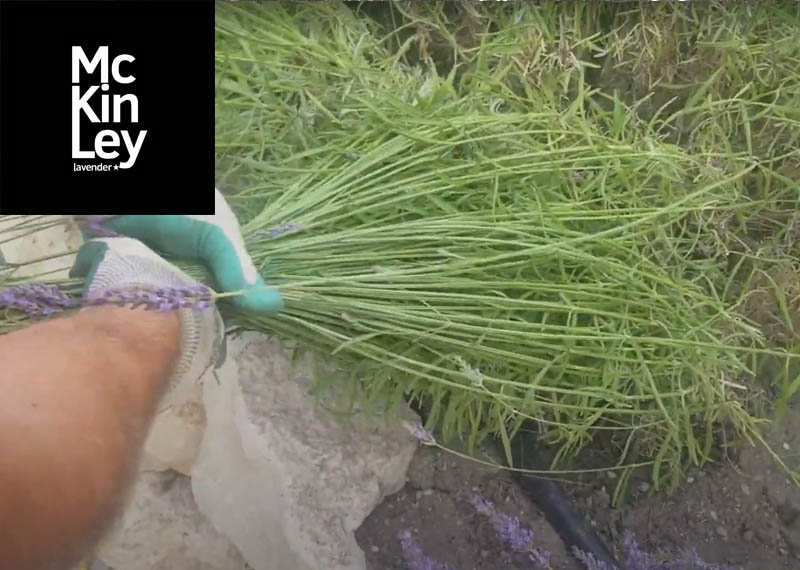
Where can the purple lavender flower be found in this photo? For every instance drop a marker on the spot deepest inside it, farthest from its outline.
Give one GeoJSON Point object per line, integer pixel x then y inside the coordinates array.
{"type": "Point", "coordinates": [94, 225]}
{"type": "Point", "coordinates": [39, 299]}
{"type": "Point", "coordinates": [690, 560]}
{"type": "Point", "coordinates": [36, 299]}
{"type": "Point", "coordinates": [162, 299]}
{"type": "Point", "coordinates": [591, 563]}
{"type": "Point", "coordinates": [638, 559]}
{"type": "Point", "coordinates": [519, 538]}
{"type": "Point", "coordinates": [421, 433]}
{"type": "Point", "coordinates": [415, 558]}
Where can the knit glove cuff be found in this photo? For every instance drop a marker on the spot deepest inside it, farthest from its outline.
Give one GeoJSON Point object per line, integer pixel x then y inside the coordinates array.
{"type": "Point", "coordinates": [124, 271]}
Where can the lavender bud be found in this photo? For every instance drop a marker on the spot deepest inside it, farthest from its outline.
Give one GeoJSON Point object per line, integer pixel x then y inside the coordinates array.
{"type": "Point", "coordinates": [421, 433]}
{"type": "Point", "coordinates": [591, 563]}
{"type": "Point", "coordinates": [288, 228]}
{"type": "Point", "coordinates": [161, 299]}
{"type": "Point", "coordinates": [35, 299]}
{"type": "Point", "coordinates": [519, 538]}
{"type": "Point", "coordinates": [638, 559]}
{"type": "Point", "coordinates": [39, 299]}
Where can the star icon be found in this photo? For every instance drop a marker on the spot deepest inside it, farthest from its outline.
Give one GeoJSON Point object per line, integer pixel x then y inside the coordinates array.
{"type": "Point", "coordinates": [116, 167]}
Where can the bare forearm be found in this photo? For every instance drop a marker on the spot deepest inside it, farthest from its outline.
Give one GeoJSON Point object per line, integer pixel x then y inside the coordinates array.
{"type": "Point", "coordinates": [76, 398]}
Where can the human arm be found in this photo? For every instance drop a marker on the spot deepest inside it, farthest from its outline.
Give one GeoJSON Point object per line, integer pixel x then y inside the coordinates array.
{"type": "Point", "coordinates": [78, 394]}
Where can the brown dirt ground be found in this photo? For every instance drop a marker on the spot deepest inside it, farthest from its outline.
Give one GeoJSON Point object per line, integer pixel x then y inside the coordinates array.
{"type": "Point", "coordinates": [743, 511]}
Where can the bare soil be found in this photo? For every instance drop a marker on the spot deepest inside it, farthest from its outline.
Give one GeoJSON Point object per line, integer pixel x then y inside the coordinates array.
{"type": "Point", "coordinates": [743, 511]}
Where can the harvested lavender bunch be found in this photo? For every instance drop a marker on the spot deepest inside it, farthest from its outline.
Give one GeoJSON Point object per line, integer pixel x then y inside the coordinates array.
{"type": "Point", "coordinates": [160, 299]}
{"type": "Point", "coordinates": [414, 558]}
{"type": "Point", "coordinates": [36, 299]}
{"type": "Point", "coordinates": [519, 538]}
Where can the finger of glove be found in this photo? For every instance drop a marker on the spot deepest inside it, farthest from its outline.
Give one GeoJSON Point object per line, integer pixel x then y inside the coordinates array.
{"type": "Point", "coordinates": [89, 258]}
{"type": "Point", "coordinates": [259, 298]}
{"type": "Point", "coordinates": [226, 266]}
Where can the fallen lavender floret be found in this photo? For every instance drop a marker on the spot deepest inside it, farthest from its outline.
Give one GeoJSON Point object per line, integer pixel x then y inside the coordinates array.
{"type": "Point", "coordinates": [519, 538]}
{"type": "Point", "coordinates": [289, 228]}
{"type": "Point", "coordinates": [422, 434]}
{"type": "Point", "coordinates": [415, 558]}
{"type": "Point", "coordinates": [160, 299]}
{"type": "Point", "coordinates": [36, 299]}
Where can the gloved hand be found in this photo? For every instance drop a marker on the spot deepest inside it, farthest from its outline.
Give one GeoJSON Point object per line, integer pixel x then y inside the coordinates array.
{"type": "Point", "coordinates": [114, 264]}
{"type": "Point", "coordinates": [215, 240]}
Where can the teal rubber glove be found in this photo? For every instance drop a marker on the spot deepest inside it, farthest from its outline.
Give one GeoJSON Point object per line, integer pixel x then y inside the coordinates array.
{"type": "Point", "coordinates": [216, 240]}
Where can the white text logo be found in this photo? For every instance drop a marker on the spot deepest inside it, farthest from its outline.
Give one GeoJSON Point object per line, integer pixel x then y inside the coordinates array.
{"type": "Point", "coordinates": [91, 101]}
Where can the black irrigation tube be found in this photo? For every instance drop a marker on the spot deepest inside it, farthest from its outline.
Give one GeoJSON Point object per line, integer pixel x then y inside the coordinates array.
{"type": "Point", "coordinates": [562, 514]}
{"type": "Point", "coordinates": [559, 510]}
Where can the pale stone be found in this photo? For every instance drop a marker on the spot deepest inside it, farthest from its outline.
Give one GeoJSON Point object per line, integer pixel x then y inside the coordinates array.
{"type": "Point", "coordinates": [175, 435]}
{"type": "Point", "coordinates": [287, 481]}
{"type": "Point", "coordinates": [162, 529]}
{"type": "Point", "coordinates": [59, 243]}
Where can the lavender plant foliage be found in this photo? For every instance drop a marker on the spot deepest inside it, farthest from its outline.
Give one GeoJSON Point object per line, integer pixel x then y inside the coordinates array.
{"type": "Point", "coordinates": [690, 560]}
{"type": "Point", "coordinates": [635, 556]}
{"type": "Point", "coordinates": [35, 299]}
{"type": "Point", "coordinates": [415, 558]}
{"type": "Point", "coordinates": [519, 538]}
{"type": "Point", "coordinates": [638, 559]}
